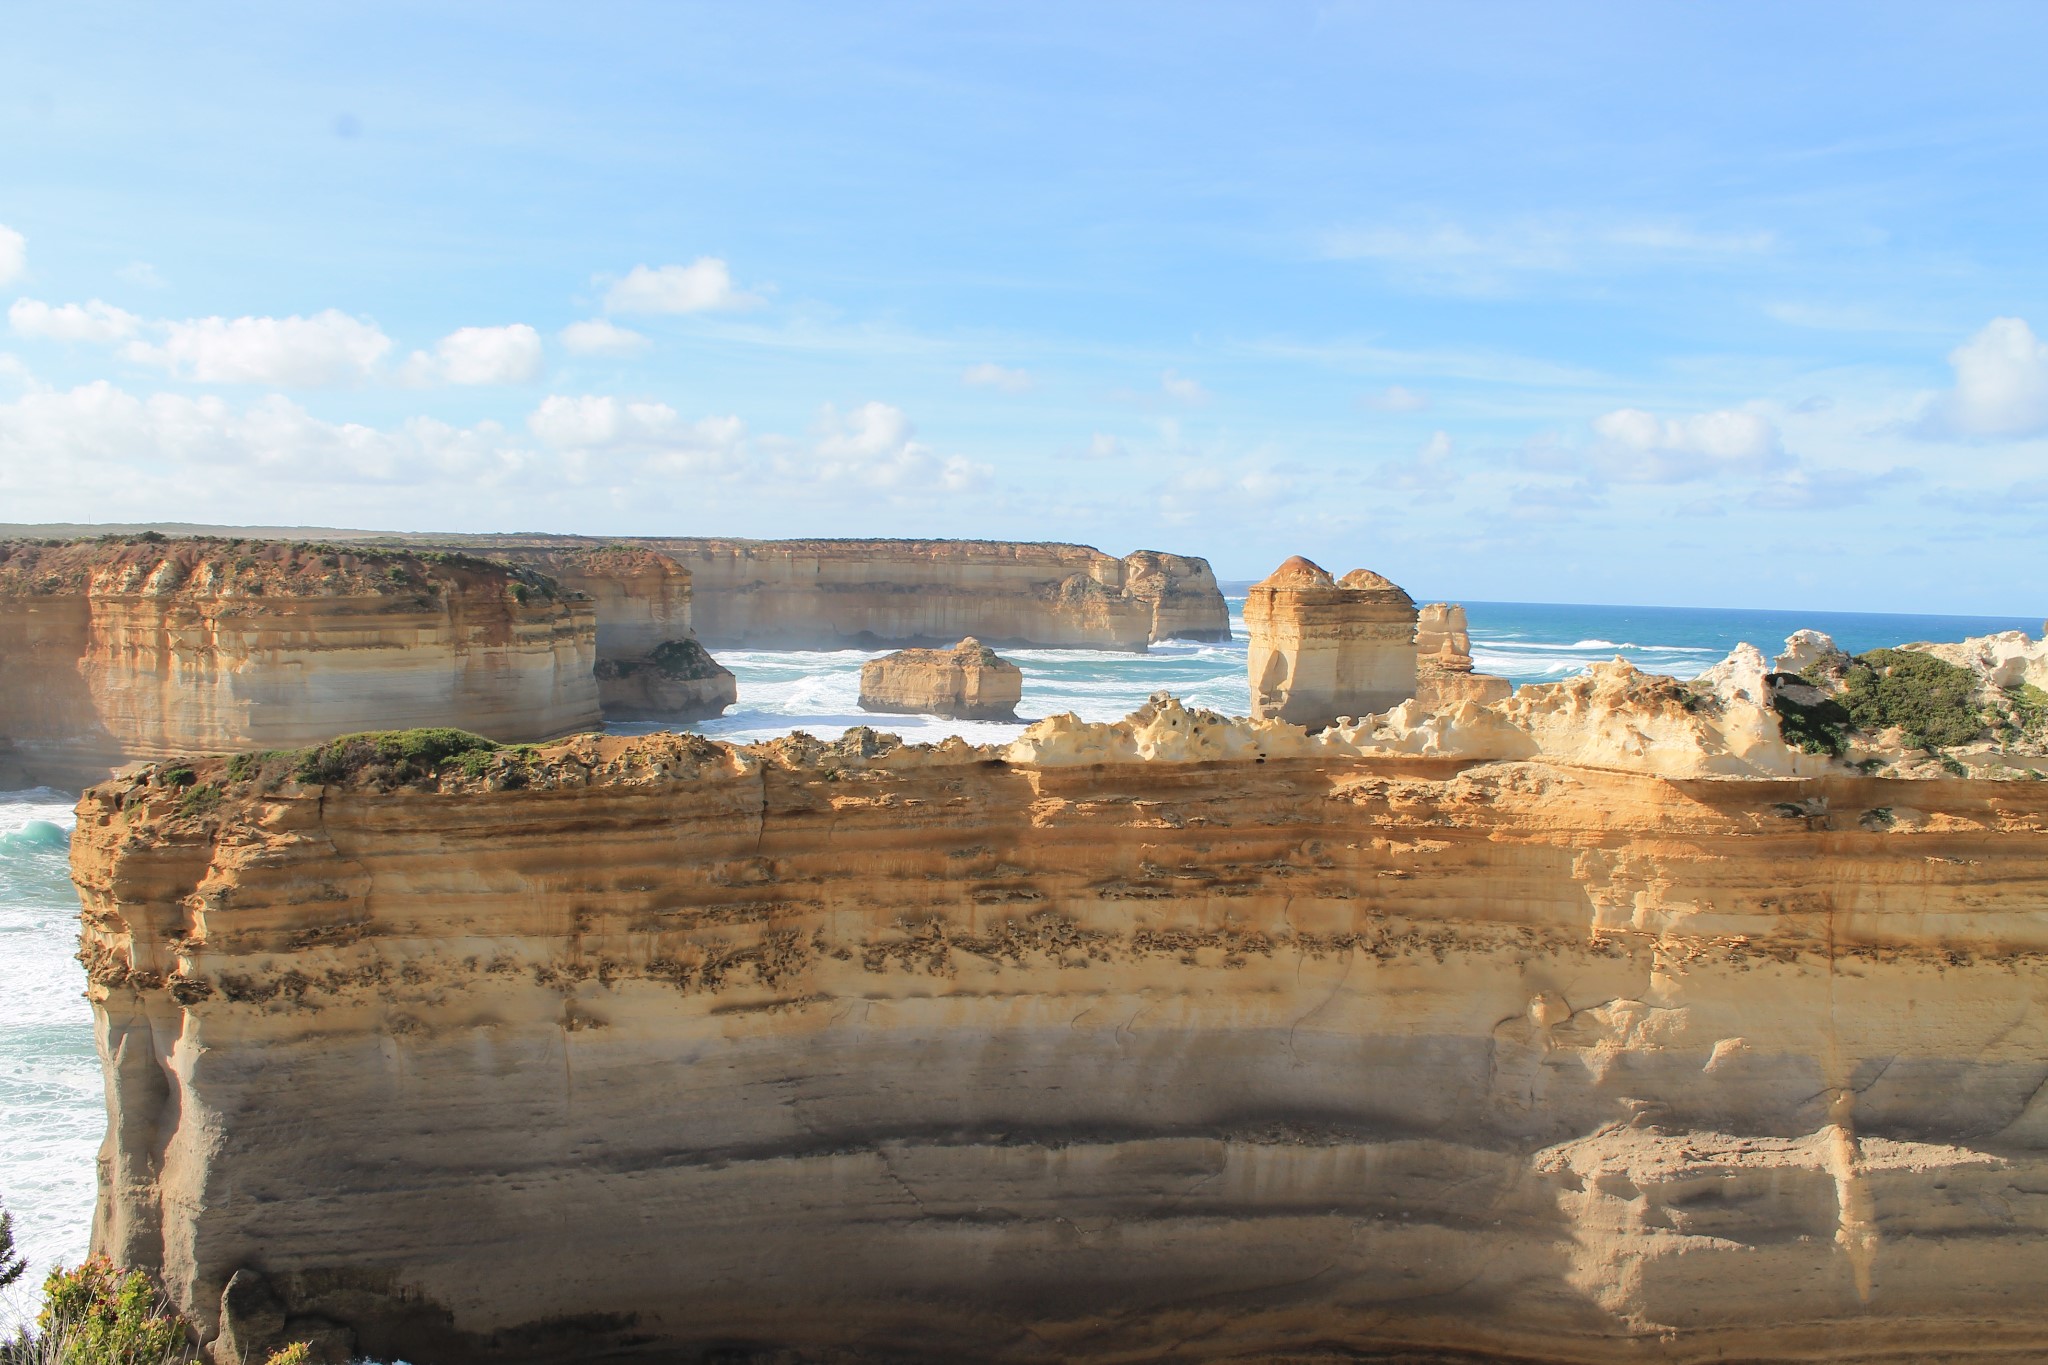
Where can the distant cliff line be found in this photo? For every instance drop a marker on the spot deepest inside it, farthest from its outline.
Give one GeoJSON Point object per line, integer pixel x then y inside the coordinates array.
{"type": "Point", "coordinates": [831, 593]}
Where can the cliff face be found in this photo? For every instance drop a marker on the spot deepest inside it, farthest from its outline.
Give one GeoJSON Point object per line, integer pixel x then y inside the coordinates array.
{"type": "Point", "coordinates": [1181, 1039]}
{"type": "Point", "coordinates": [827, 594]}
{"type": "Point", "coordinates": [1322, 648]}
{"type": "Point", "coordinates": [969, 681]}
{"type": "Point", "coordinates": [650, 665]}
{"type": "Point", "coordinates": [116, 651]}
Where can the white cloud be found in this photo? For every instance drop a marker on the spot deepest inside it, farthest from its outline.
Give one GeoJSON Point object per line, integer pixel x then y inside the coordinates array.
{"type": "Point", "coordinates": [874, 445]}
{"type": "Point", "coordinates": [591, 427]}
{"type": "Point", "coordinates": [1394, 398]}
{"type": "Point", "coordinates": [993, 376]}
{"type": "Point", "coordinates": [1177, 386]}
{"type": "Point", "coordinates": [598, 337]}
{"type": "Point", "coordinates": [294, 352]}
{"type": "Point", "coordinates": [13, 254]}
{"type": "Point", "coordinates": [480, 355]}
{"type": "Point", "coordinates": [49, 437]}
{"type": "Point", "coordinates": [1452, 256]}
{"type": "Point", "coordinates": [2001, 386]}
{"type": "Point", "coordinates": [1639, 445]}
{"type": "Point", "coordinates": [1103, 446]}
{"type": "Point", "coordinates": [94, 321]}
{"type": "Point", "coordinates": [705, 285]}
{"type": "Point", "coordinates": [142, 273]}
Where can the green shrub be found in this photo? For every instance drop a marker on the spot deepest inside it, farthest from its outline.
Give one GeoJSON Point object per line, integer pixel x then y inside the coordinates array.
{"type": "Point", "coordinates": [2029, 706]}
{"type": "Point", "coordinates": [1932, 701]}
{"type": "Point", "coordinates": [684, 659]}
{"type": "Point", "coordinates": [200, 800]}
{"type": "Point", "coordinates": [99, 1314]}
{"type": "Point", "coordinates": [177, 775]}
{"type": "Point", "coordinates": [11, 1265]}
{"type": "Point", "coordinates": [407, 754]}
{"type": "Point", "coordinates": [1820, 728]}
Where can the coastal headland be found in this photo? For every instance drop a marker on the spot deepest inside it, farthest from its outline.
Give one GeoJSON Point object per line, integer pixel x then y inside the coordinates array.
{"type": "Point", "coordinates": [1598, 1025]}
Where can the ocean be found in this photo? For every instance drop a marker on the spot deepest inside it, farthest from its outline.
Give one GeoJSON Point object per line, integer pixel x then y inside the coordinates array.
{"type": "Point", "coordinates": [51, 1106]}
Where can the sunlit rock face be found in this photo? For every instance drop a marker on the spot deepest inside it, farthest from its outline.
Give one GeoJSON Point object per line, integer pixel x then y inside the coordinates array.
{"type": "Point", "coordinates": [1443, 661]}
{"type": "Point", "coordinates": [1491, 1033]}
{"type": "Point", "coordinates": [117, 650]}
{"type": "Point", "coordinates": [832, 594]}
{"type": "Point", "coordinates": [1321, 649]}
{"type": "Point", "coordinates": [650, 664]}
{"type": "Point", "coordinates": [967, 682]}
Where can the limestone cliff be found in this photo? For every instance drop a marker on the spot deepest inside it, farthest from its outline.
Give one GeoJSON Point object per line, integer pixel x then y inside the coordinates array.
{"type": "Point", "coordinates": [829, 594]}
{"type": "Point", "coordinates": [969, 682]}
{"type": "Point", "coordinates": [650, 664]}
{"type": "Point", "coordinates": [1491, 1033]}
{"type": "Point", "coordinates": [142, 648]}
{"type": "Point", "coordinates": [1322, 649]}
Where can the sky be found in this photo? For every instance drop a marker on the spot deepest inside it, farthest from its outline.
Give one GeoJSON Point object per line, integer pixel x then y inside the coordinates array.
{"type": "Point", "coordinates": [1714, 305]}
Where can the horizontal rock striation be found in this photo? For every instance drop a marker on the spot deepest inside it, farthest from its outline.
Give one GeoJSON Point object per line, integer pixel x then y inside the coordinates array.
{"type": "Point", "coordinates": [1323, 648]}
{"type": "Point", "coordinates": [1186, 1038]}
{"type": "Point", "coordinates": [833, 594]}
{"type": "Point", "coordinates": [117, 650]}
{"type": "Point", "coordinates": [970, 681]}
{"type": "Point", "coordinates": [650, 664]}
{"type": "Point", "coordinates": [1443, 661]}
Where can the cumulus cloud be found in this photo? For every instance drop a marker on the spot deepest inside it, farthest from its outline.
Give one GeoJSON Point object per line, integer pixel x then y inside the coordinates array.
{"type": "Point", "coordinates": [480, 355]}
{"type": "Point", "coordinates": [993, 376]}
{"type": "Point", "coordinates": [1394, 398]}
{"type": "Point", "coordinates": [13, 255]}
{"type": "Point", "coordinates": [52, 437]}
{"type": "Point", "coordinates": [2001, 388]}
{"type": "Point", "coordinates": [1429, 475]}
{"type": "Point", "coordinates": [875, 445]}
{"type": "Point", "coordinates": [1179, 387]}
{"type": "Point", "coordinates": [705, 285]}
{"type": "Point", "coordinates": [1640, 446]}
{"type": "Point", "coordinates": [93, 321]}
{"type": "Point", "coordinates": [591, 428]}
{"type": "Point", "coordinates": [329, 348]}
{"type": "Point", "coordinates": [598, 337]}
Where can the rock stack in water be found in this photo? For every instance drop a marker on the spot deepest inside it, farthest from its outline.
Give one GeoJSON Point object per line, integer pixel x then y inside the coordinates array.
{"type": "Point", "coordinates": [1322, 648]}
{"type": "Point", "coordinates": [1443, 661]}
{"type": "Point", "coordinates": [967, 682]}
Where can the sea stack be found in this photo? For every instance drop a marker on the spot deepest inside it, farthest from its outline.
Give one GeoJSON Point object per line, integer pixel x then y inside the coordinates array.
{"type": "Point", "coordinates": [1443, 661]}
{"type": "Point", "coordinates": [970, 681]}
{"type": "Point", "coordinates": [1322, 648]}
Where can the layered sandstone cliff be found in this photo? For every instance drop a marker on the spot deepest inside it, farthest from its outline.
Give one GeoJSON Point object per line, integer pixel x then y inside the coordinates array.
{"type": "Point", "coordinates": [1502, 1032]}
{"type": "Point", "coordinates": [650, 664]}
{"type": "Point", "coordinates": [1323, 648]}
{"type": "Point", "coordinates": [970, 681]}
{"type": "Point", "coordinates": [830, 594]}
{"type": "Point", "coordinates": [116, 650]}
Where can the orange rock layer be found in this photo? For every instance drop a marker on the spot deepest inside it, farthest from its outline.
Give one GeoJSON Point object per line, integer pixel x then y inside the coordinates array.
{"type": "Point", "coordinates": [642, 1049]}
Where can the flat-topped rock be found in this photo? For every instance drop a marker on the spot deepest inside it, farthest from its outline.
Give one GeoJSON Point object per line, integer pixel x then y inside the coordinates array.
{"type": "Point", "coordinates": [1323, 648]}
{"type": "Point", "coordinates": [970, 681]}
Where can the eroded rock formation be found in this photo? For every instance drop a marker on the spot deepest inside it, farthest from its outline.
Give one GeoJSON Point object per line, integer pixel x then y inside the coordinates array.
{"type": "Point", "coordinates": [1495, 1032]}
{"type": "Point", "coordinates": [1321, 649]}
{"type": "Point", "coordinates": [834, 594]}
{"type": "Point", "coordinates": [143, 648]}
{"type": "Point", "coordinates": [970, 681]}
{"type": "Point", "coordinates": [650, 664]}
{"type": "Point", "coordinates": [1443, 661]}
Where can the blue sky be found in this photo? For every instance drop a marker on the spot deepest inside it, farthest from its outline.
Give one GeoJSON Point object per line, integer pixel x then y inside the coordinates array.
{"type": "Point", "coordinates": [1711, 305]}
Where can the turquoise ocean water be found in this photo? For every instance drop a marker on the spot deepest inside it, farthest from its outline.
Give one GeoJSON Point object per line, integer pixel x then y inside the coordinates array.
{"type": "Point", "coordinates": [51, 1114]}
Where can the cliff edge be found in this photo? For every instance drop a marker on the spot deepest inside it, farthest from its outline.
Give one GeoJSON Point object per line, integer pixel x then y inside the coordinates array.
{"type": "Point", "coordinates": [1601, 1025]}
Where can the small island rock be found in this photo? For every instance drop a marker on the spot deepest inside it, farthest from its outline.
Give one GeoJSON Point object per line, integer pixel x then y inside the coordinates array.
{"type": "Point", "coordinates": [967, 682]}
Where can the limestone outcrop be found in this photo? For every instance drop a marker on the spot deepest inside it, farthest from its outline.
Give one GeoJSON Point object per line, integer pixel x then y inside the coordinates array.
{"type": "Point", "coordinates": [650, 664]}
{"type": "Point", "coordinates": [839, 594]}
{"type": "Point", "coordinates": [970, 681]}
{"type": "Point", "coordinates": [1323, 649]}
{"type": "Point", "coordinates": [142, 648]}
{"type": "Point", "coordinates": [1596, 1026]}
{"type": "Point", "coordinates": [1443, 661]}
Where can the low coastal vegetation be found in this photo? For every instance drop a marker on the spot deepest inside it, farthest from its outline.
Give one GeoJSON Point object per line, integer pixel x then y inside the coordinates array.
{"type": "Point", "coordinates": [1930, 704]}
{"type": "Point", "coordinates": [100, 1314]}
